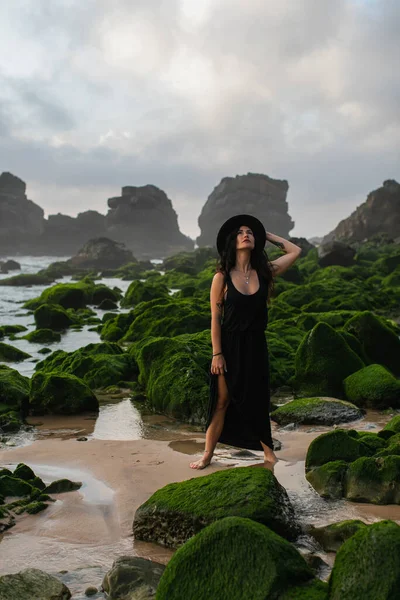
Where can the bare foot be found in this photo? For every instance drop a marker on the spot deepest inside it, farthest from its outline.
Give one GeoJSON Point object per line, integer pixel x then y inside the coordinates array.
{"type": "Point", "coordinates": [270, 457]}
{"type": "Point", "coordinates": [203, 462]}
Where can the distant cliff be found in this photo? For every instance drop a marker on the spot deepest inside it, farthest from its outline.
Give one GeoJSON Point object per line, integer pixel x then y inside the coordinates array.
{"type": "Point", "coordinates": [380, 213]}
{"type": "Point", "coordinates": [142, 218]}
{"type": "Point", "coordinates": [255, 194]}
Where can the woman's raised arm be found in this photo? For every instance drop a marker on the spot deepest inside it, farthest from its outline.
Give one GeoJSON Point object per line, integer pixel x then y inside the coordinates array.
{"type": "Point", "coordinates": [282, 263]}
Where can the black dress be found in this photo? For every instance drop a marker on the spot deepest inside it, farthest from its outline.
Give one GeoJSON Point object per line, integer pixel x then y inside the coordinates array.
{"type": "Point", "coordinates": [245, 350]}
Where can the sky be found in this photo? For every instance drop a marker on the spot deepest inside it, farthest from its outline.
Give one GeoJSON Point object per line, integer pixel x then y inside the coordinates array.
{"type": "Point", "coordinates": [98, 94]}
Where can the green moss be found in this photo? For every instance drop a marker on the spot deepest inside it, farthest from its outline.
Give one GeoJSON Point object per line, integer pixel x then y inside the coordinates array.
{"type": "Point", "coordinates": [27, 279]}
{"type": "Point", "coordinates": [374, 480]}
{"type": "Point", "coordinates": [7, 330]}
{"type": "Point", "coordinates": [367, 566]}
{"type": "Point", "coordinates": [43, 336]}
{"type": "Point", "coordinates": [174, 372]}
{"type": "Point", "coordinates": [35, 507]}
{"type": "Point", "coordinates": [24, 472]}
{"type": "Point", "coordinates": [13, 486]}
{"type": "Point", "coordinates": [73, 295]}
{"type": "Point", "coordinates": [169, 319]}
{"type": "Point", "coordinates": [380, 343]}
{"type": "Point", "coordinates": [53, 393]}
{"type": "Point", "coordinates": [52, 317]}
{"type": "Point", "coordinates": [98, 365]}
{"type": "Point", "coordinates": [332, 446]}
{"type": "Point", "coordinates": [14, 388]}
{"type": "Point", "coordinates": [328, 479]}
{"type": "Point", "coordinates": [311, 411]}
{"type": "Point", "coordinates": [140, 291]}
{"type": "Point", "coordinates": [60, 486]}
{"type": "Point", "coordinates": [10, 421]}
{"type": "Point", "coordinates": [313, 590]}
{"type": "Point", "coordinates": [373, 386]}
{"type": "Point", "coordinates": [11, 354]}
{"type": "Point", "coordinates": [322, 361]}
{"type": "Point", "coordinates": [263, 564]}
{"type": "Point", "coordinates": [393, 425]}
{"type": "Point", "coordinates": [332, 536]}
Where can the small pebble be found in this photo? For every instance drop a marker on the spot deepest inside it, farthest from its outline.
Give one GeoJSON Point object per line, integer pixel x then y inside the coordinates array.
{"type": "Point", "coordinates": [91, 591]}
{"type": "Point", "coordinates": [81, 439]}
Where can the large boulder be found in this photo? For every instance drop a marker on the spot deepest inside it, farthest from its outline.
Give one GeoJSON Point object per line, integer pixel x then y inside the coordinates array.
{"type": "Point", "coordinates": [332, 536]}
{"type": "Point", "coordinates": [175, 373]}
{"type": "Point", "coordinates": [132, 577]}
{"type": "Point", "coordinates": [14, 388]}
{"type": "Point", "coordinates": [380, 213]}
{"type": "Point", "coordinates": [51, 316]}
{"type": "Point", "coordinates": [373, 387]}
{"type": "Point", "coordinates": [32, 584]}
{"type": "Point", "coordinates": [316, 411]}
{"type": "Point", "coordinates": [233, 559]}
{"type": "Point", "coordinates": [335, 253]}
{"type": "Point", "coordinates": [367, 566]}
{"type": "Point", "coordinates": [374, 480]}
{"type": "Point", "coordinates": [258, 194]}
{"type": "Point", "coordinates": [101, 253]}
{"type": "Point", "coordinates": [60, 394]}
{"type": "Point", "coordinates": [144, 219]}
{"type": "Point", "coordinates": [379, 342]}
{"type": "Point", "coordinates": [323, 360]}
{"type": "Point", "coordinates": [98, 365]}
{"type": "Point", "coordinates": [178, 511]}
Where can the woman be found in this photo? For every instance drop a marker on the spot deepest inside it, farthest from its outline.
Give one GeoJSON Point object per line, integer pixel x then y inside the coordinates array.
{"type": "Point", "coordinates": [239, 383]}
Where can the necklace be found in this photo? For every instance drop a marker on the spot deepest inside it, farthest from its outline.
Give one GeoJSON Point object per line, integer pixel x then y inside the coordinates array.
{"type": "Point", "coordinates": [246, 277]}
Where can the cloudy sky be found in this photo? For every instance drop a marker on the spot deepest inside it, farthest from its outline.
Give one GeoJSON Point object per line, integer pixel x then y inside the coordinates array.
{"type": "Point", "coordinates": [97, 94]}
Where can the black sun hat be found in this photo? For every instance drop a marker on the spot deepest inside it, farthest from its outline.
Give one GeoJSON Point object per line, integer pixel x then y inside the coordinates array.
{"type": "Point", "coordinates": [235, 222]}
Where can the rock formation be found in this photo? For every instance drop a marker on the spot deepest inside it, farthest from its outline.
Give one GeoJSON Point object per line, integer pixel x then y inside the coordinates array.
{"type": "Point", "coordinates": [21, 220]}
{"type": "Point", "coordinates": [258, 195]}
{"type": "Point", "coordinates": [144, 219]}
{"type": "Point", "coordinates": [101, 253]}
{"type": "Point", "coordinates": [380, 213]}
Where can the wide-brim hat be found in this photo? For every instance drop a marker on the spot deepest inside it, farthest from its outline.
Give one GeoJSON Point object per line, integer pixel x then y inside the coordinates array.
{"type": "Point", "coordinates": [235, 222]}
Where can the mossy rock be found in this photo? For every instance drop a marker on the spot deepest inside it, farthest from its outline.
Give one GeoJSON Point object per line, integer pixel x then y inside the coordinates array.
{"type": "Point", "coordinates": [73, 295]}
{"type": "Point", "coordinates": [264, 565]}
{"type": "Point", "coordinates": [316, 411]}
{"type": "Point", "coordinates": [45, 351]}
{"type": "Point", "coordinates": [323, 360]}
{"type": "Point", "coordinates": [98, 365]}
{"type": "Point", "coordinates": [393, 425]}
{"type": "Point", "coordinates": [332, 536]}
{"type": "Point", "coordinates": [53, 393]}
{"type": "Point", "coordinates": [178, 511]}
{"type": "Point", "coordinates": [132, 577]}
{"type": "Point", "coordinates": [13, 486]}
{"type": "Point", "coordinates": [367, 566]}
{"type": "Point", "coordinates": [35, 507]}
{"type": "Point", "coordinates": [169, 319]}
{"type": "Point", "coordinates": [11, 354]}
{"type": "Point", "coordinates": [374, 387]}
{"type": "Point", "coordinates": [374, 480]}
{"type": "Point", "coordinates": [312, 590]}
{"type": "Point", "coordinates": [380, 343]}
{"type": "Point", "coordinates": [339, 444]}
{"type": "Point", "coordinates": [14, 389]}
{"type": "Point", "coordinates": [7, 330]}
{"type": "Point", "coordinates": [10, 421]}
{"type": "Point", "coordinates": [392, 447]}
{"type": "Point", "coordinates": [53, 317]}
{"type": "Point", "coordinates": [108, 304]}
{"type": "Point", "coordinates": [140, 291]}
{"type": "Point", "coordinates": [24, 472]}
{"type": "Point", "coordinates": [27, 279]}
{"type": "Point", "coordinates": [328, 479]}
{"type": "Point", "coordinates": [175, 374]}
{"type": "Point", "coordinates": [32, 584]}
{"type": "Point", "coordinates": [60, 486]}
{"type": "Point", "coordinates": [43, 336]}
{"type": "Point", "coordinates": [115, 326]}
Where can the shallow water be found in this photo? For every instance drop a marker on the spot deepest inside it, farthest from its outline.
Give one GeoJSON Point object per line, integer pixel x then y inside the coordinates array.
{"type": "Point", "coordinates": [84, 531]}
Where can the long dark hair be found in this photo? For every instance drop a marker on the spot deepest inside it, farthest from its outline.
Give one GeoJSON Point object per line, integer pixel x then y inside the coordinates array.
{"type": "Point", "coordinates": [258, 259]}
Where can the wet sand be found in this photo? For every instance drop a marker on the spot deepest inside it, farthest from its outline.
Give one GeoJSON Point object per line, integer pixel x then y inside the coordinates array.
{"type": "Point", "coordinates": [89, 528]}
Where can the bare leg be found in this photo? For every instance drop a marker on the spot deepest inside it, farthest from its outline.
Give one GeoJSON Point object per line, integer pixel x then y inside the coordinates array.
{"type": "Point", "coordinates": [215, 428]}
{"type": "Point", "coordinates": [269, 454]}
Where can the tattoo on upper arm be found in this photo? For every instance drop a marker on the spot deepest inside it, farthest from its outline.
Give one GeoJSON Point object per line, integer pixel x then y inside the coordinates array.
{"type": "Point", "coordinates": [279, 244]}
